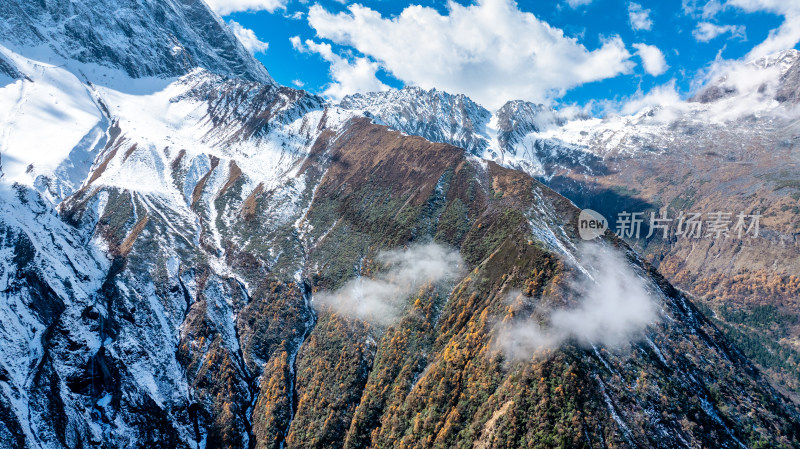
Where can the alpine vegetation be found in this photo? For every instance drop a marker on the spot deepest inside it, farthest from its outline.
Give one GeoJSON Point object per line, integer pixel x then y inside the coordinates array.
{"type": "Point", "coordinates": [194, 256]}
{"type": "Point", "coordinates": [380, 300]}
{"type": "Point", "coordinates": [614, 307]}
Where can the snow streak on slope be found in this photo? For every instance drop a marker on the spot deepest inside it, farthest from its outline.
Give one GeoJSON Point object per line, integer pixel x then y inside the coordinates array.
{"type": "Point", "coordinates": [131, 160]}
{"type": "Point", "coordinates": [48, 273]}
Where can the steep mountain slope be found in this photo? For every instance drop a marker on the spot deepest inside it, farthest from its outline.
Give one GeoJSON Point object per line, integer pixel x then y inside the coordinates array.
{"type": "Point", "coordinates": [736, 153]}
{"type": "Point", "coordinates": [141, 37]}
{"type": "Point", "coordinates": [750, 283]}
{"type": "Point", "coordinates": [166, 243]}
{"type": "Point", "coordinates": [201, 327]}
{"type": "Point", "coordinates": [732, 148]}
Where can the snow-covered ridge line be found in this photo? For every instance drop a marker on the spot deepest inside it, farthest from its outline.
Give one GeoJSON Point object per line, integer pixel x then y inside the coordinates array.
{"type": "Point", "coordinates": [56, 124]}
{"type": "Point", "coordinates": [542, 140]}
{"type": "Point", "coordinates": [97, 164]}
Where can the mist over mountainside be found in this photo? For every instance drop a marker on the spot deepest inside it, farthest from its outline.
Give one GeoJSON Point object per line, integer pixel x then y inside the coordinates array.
{"type": "Point", "coordinates": [732, 147]}
{"type": "Point", "coordinates": [182, 238]}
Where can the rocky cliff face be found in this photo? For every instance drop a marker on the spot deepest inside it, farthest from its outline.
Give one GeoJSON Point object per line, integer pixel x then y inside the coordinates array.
{"type": "Point", "coordinates": [164, 264]}
{"type": "Point", "coordinates": [140, 37]}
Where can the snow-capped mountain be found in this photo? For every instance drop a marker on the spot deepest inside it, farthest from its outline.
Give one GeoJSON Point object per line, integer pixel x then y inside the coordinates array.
{"type": "Point", "coordinates": [544, 141]}
{"type": "Point", "coordinates": [510, 136]}
{"type": "Point", "coordinates": [732, 147]}
{"type": "Point", "coordinates": [167, 222]}
{"type": "Point", "coordinates": [141, 37]}
{"type": "Point", "coordinates": [434, 115]}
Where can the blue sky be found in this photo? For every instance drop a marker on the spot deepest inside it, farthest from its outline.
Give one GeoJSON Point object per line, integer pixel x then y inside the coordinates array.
{"type": "Point", "coordinates": [601, 55]}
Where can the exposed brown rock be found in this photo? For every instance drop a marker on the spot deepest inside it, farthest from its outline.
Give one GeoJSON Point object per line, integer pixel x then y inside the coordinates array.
{"type": "Point", "coordinates": [249, 205]}
{"type": "Point", "coordinates": [201, 183]}
{"type": "Point", "coordinates": [234, 172]}
{"type": "Point", "coordinates": [127, 244]}
{"type": "Point", "coordinates": [128, 152]}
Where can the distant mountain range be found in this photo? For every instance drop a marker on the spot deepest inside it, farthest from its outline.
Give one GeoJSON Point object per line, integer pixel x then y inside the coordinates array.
{"type": "Point", "coordinates": [183, 240]}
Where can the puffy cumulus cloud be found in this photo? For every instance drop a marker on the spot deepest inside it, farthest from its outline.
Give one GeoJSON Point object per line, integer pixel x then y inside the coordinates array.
{"type": "Point", "coordinates": [348, 75]}
{"type": "Point", "coordinates": [224, 7]}
{"type": "Point", "coordinates": [380, 300]}
{"type": "Point", "coordinates": [490, 50]}
{"type": "Point", "coordinates": [652, 59]}
{"type": "Point", "coordinates": [706, 31]}
{"type": "Point", "coordinates": [784, 37]}
{"type": "Point", "coordinates": [248, 38]}
{"type": "Point", "coordinates": [639, 17]}
{"type": "Point", "coordinates": [614, 308]}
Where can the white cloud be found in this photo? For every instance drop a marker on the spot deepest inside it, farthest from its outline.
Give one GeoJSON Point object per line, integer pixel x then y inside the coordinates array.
{"type": "Point", "coordinates": [613, 309]}
{"type": "Point", "coordinates": [752, 88]}
{"type": "Point", "coordinates": [703, 9]}
{"type": "Point", "coordinates": [381, 299]}
{"type": "Point", "coordinates": [248, 38]}
{"type": "Point", "coordinates": [639, 17]}
{"type": "Point", "coordinates": [224, 7]}
{"type": "Point", "coordinates": [661, 104]}
{"type": "Point", "coordinates": [348, 76]}
{"type": "Point", "coordinates": [299, 84]}
{"type": "Point", "coordinates": [491, 50]}
{"type": "Point", "coordinates": [707, 31]}
{"type": "Point", "coordinates": [577, 3]}
{"type": "Point", "coordinates": [665, 98]}
{"type": "Point", "coordinates": [784, 37]}
{"type": "Point", "coordinates": [652, 59]}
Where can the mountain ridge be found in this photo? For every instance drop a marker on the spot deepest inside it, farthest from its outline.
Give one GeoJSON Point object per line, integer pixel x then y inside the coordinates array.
{"type": "Point", "coordinates": [730, 148]}
{"type": "Point", "coordinates": [161, 275]}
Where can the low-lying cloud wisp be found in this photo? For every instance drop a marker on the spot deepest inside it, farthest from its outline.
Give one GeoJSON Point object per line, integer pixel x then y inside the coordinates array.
{"type": "Point", "coordinates": [380, 300]}
{"type": "Point", "coordinates": [615, 308]}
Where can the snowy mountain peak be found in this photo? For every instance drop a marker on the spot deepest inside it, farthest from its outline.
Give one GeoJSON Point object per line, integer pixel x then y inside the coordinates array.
{"type": "Point", "coordinates": [164, 38]}
{"type": "Point", "coordinates": [517, 118]}
{"type": "Point", "coordinates": [456, 119]}
{"type": "Point", "coordinates": [776, 75]}
{"type": "Point", "coordinates": [784, 60]}
{"type": "Point", "coordinates": [436, 115]}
